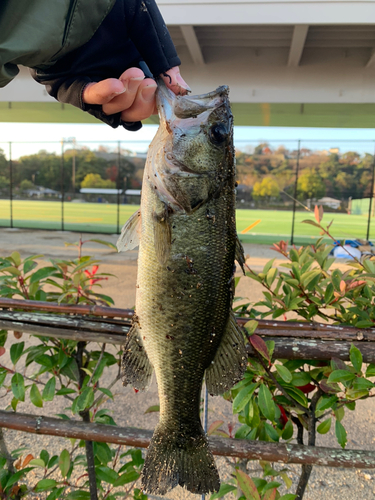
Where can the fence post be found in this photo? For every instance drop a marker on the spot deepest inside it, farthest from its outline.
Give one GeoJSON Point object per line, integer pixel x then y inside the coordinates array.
{"type": "Point", "coordinates": [371, 196]}
{"type": "Point", "coordinates": [62, 185]}
{"type": "Point", "coordinates": [11, 184]}
{"type": "Point", "coordinates": [118, 184]}
{"type": "Point", "coordinates": [295, 194]}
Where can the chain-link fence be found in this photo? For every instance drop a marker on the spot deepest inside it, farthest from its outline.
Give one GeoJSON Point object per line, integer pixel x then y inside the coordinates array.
{"type": "Point", "coordinates": [95, 187]}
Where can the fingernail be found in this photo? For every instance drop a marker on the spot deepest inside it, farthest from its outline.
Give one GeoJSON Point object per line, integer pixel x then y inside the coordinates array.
{"type": "Point", "coordinates": [133, 83]}
{"type": "Point", "coordinates": [148, 93]}
{"type": "Point", "coordinates": [182, 82]}
{"type": "Point", "coordinates": [121, 91]}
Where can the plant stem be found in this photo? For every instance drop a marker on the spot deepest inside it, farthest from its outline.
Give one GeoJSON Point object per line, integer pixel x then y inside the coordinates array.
{"type": "Point", "coordinates": [85, 414]}
{"type": "Point", "coordinates": [307, 469]}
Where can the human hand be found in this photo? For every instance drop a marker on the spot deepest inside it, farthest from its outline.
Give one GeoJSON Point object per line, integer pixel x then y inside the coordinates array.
{"type": "Point", "coordinates": [132, 94]}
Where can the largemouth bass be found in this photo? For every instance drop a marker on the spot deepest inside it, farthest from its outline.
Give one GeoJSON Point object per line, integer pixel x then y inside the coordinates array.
{"type": "Point", "coordinates": [183, 327]}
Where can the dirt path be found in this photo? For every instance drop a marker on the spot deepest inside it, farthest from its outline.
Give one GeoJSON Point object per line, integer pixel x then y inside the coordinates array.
{"type": "Point", "coordinates": [325, 484]}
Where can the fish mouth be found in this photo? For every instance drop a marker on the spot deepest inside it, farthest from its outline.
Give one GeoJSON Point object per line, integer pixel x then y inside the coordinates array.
{"type": "Point", "coordinates": [172, 107]}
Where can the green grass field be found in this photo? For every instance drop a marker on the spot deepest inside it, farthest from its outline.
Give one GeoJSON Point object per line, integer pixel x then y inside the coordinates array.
{"type": "Point", "coordinates": [102, 218]}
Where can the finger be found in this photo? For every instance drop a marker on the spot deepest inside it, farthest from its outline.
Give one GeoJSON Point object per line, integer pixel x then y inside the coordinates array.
{"type": "Point", "coordinates": [102, 92]}
{"type": "Point", "coordinates": [126, 100]}
{"type": "Point", "coordinates": [175, 82]}
{"type": "Point", "coordinates": [144, 104]}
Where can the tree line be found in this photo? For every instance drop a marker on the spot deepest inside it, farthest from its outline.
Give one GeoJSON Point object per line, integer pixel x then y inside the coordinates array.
{"type": "Point", "coordinates": [271, 172]}
{"type": "Point", "coordinates": [266, 172]}
{"type": "Point", "coordinates": [82, 168]}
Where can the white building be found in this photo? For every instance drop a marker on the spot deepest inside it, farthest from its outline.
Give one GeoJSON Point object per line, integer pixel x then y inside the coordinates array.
{"type": "Point", "coordinates": [287, 62]}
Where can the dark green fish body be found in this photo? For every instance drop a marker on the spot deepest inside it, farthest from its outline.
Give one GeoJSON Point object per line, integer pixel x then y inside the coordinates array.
{"type": "Point", "coordinates": [184, 328]}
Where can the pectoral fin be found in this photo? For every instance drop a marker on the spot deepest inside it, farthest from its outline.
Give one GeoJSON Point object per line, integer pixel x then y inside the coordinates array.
{"type": "Point", "coordinates": [240, 254]}
{"type": "Point", "coordinates": [162, 236]}
{"type": "Point", "coordinates": [230, 361]}
{"type": "Point", "coordinates": [130, 233]}
{"type": "Point", "coordinates": [136, 367]}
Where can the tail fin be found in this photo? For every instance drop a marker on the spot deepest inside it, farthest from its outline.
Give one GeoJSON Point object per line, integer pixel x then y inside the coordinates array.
{"type": "Point", "coordinates": [174, 458]}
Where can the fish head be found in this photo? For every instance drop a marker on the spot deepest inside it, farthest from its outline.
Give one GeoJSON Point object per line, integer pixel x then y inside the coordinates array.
{"type": "Point", "coordinates": [196, 160]}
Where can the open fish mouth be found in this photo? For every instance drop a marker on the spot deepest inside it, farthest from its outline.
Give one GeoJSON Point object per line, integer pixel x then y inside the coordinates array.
{"type": "Point", "coordinates": [172, 107]}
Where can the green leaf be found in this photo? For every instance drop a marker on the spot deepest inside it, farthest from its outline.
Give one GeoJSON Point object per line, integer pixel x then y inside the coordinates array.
{"type": "Point", "coordinates": [251, 326]}
{"type": "Point", "coordinates": [105, 391]}
{"type": "Point", "coordinates": [247, 485]}
{"type": "Point", "coordinates": [18, 386]}
{"type": "Point", "coordinates": [106, 474]}
{"type": "Point", "coordinates": [242, 432]}
{"type": "Point", "coordinates": [340, 376]}
{"type": "Point", "coordinates": [16, 477]}
{"type": "Point", "coordinates": [340, 434]}
{"type": "Point", "coordinates": [85, 399]}
{"type": "Point", "coordinates": [78, 495]}
{"type": "Point", "coordinates": [16, 258]}
{"type": "Point", "coordinates": [38, 462]}
{"type": "Point", "coordinates": [336, 279]}
{"type": "Point", "coordinates": [356, 358]}
{"type": "Point", "coordinates": [65, 390]}
{"type": "Point", "coordinates": [45, 484]}
{"type": "Point", "coordinates": [55, 494]}
{"type": "Point", "coordinates": [28, 266]}
{"type": "Point", "coordinates": [44, 455]}
{"type": "Point", "coordinates": [370, 372]}
{"type": "Point", "coordinates": [288, 431]}
{"type": "Point", "coordinates": [224, 490]}
{"type": "Point", "coordinates": [106, 243]}
{"type": "Point", "coordinates": [49, 389]}
{"type": "Point", "coordinates": [64, 462]}
{"type": "Point", "coordinates": [35, 396]}
{"type": "Point", "coordinates": [152, 409]}
{"type": "Point", "coordinates": [42, 273]}
{"type": "Point", "coordinates": [288, 496]}
{"type": "Point", "coordinates": [243, 397]}
{"type": "Point", "coordinates": [265, 402]}
{"type": "Point", "coordinates": [284, 373]}
{"type": "Point", "coordinates": [300, 379]}
{"type": "Point", "coordinates": [126, 478]}
{"type": "Point", "coordinates": [16, 351]}
{"type": "Point", "coordinates": [326, 402]}
{"type": "Point", "coordinates": [325, 426]}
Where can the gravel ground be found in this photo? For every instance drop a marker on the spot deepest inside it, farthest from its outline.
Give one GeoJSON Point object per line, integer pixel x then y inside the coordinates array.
{"type": "Point", "coordinates": [325, 483]}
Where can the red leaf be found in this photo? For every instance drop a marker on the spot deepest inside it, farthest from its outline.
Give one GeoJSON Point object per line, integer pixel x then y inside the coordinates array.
{"type": "Point", "coordinates": [342, 286]}
{"type": "Point", "coordinates": [306, 388]}
{"type": "Point", "coordinates": [94, 269]}
{"type": "Point", "coordinates": [317, 214]}
{"type": "Point", "coordinates": [2, 351]}
{"type": "Point", "coordinates": [283, 417]}
{"type": "Point", "coordinates": [87, 273]}
{"type": "Point", "coordinates": [17, 335]}
{"type": "Point", "coordinates": [247, 486]}
{"type": "Point", "coordinates": [260, 346]}
{"type": "Point", "coordinates": [214, 426]}
{"type": "Point", "coordinates": [230, 429]}
{"type": "Point", "coordinates": [27, 460]}
{"type": "Point", "coordinates": [270, 494]}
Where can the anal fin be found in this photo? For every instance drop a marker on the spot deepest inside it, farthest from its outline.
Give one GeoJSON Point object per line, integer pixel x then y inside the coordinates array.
{"type": "Point", "coordinates": [230, 361]}
{"type": "Point", "coordinates": [240, 254]}
{"type": "Point", "coordinates": [130, 233]}
{"type": "Point", "coordinates": [136, 367]}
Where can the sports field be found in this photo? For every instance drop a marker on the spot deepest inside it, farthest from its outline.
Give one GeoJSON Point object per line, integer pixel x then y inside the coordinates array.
{"type": "Point", "coordinates": [102, 218]}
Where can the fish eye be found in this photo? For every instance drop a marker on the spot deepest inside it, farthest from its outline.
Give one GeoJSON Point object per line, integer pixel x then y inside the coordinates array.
{"type": "Point", "coordinates": [218, 133]}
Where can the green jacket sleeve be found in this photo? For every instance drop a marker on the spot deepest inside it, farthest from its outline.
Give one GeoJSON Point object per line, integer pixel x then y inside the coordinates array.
{"type": "Point", "coordinates": [39, 32]}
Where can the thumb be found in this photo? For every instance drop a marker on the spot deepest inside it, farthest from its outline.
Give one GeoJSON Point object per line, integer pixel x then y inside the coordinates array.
{"type": "Point", "coordinates": [175, 82]}
{"type": "Point", "coordinates": [102, 92]}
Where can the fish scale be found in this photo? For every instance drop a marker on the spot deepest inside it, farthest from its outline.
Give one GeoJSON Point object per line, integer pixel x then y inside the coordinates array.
{"type": "Point", "coordinates": [184, 328]}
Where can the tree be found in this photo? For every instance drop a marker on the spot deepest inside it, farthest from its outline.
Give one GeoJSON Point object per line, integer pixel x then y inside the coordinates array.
{"type": "Point", "coordinates": [25, 185]}
{"type": "Point", "coordinates": [310, 184]}
{"type": "Point", "coordinates": [267, 189]}
{"type": "Point", "coordinates": [95, 181]}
